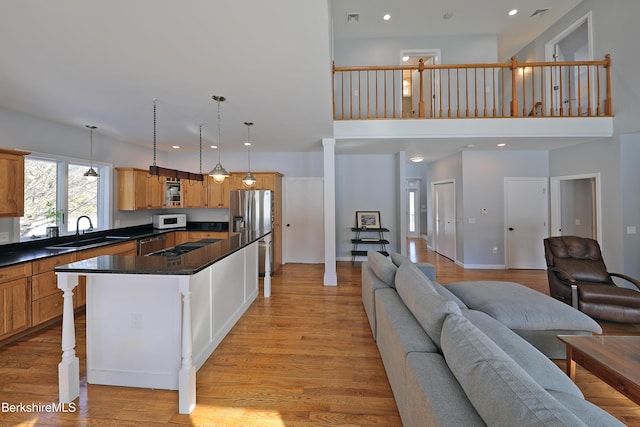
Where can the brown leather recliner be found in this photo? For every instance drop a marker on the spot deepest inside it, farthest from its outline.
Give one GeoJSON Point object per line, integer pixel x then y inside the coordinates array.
{"type": "Point", "coordinates": [578, 276]}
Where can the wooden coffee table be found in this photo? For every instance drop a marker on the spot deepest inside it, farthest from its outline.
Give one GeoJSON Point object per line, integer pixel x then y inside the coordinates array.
{"type": "Point", "coordinates": [613, 359]}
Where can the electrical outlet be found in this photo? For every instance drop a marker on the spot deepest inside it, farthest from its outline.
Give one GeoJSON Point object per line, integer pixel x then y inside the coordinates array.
{"type": "Point", "coordinates": [136, 321]}
{"type": "Point", "coordinates": [495, 249]}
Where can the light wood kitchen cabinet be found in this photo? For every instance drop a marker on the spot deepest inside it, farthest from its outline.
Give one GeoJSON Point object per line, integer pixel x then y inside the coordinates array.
{"type": "Point", "coordinates": [194, 193]}
{"type": "Point", "coordinates": [197, 235]}
{"type": "Point", "coordinates": [218, 194]}
{"type": "Point", "coordinates": [14, 299]}
{"type": "Point", "coordinates": [137, 190]}
{"type": "Point", "coordinates": [12, 183]}
{"type": "Point", "coordinates": [46, 298]}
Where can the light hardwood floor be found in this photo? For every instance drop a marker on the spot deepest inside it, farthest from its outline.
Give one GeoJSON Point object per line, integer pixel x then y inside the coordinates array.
{"type": "Point", "coordinates": [304, 357]}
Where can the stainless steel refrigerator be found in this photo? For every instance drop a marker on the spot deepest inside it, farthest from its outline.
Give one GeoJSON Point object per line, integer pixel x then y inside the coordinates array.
{"type": "Point", "coordinates": [252, 210]}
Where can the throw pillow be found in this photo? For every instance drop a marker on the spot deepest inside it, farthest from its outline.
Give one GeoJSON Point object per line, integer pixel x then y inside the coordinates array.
{"type": "Point", "coordinates": [500, 390]}
{"type": "Point", "coordinates": [382, 267]}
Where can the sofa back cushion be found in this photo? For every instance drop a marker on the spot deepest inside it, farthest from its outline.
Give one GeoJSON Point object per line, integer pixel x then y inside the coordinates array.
{"type": "Point", "coordinates": [382, 267]}
{"type": "Point", "coordinates": [500, 390]}
{"type": "Point", "coordinates": [427, 306]}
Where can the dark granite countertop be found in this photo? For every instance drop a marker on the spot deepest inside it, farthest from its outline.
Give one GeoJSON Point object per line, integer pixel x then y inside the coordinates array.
{"type": "Point", "coordinates": [186, 264]}
{"type": "Point", "coordinates": [17, 253]}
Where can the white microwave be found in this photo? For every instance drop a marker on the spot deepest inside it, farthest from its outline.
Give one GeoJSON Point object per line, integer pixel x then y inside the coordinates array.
{"type": "Point", "coordinates": [164, 221]}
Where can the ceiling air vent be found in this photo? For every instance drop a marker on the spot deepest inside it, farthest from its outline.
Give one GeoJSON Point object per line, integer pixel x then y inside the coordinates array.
{"type": "Point", "coordinates": [353, 18]}
{"type": "Point", "coordinates": [540, 12]}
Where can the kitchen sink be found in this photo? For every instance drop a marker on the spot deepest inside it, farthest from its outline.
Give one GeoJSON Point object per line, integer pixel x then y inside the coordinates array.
{"type": "Point", "coordinates": [86, 242]}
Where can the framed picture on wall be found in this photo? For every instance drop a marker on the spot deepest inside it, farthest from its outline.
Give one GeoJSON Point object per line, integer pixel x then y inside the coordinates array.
{"type": "Point", "coordinates": [368, 219]}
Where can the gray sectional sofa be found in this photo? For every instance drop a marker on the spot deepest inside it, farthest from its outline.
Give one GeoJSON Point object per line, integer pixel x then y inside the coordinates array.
{"type": "Point", "coordinates": [450, 365]}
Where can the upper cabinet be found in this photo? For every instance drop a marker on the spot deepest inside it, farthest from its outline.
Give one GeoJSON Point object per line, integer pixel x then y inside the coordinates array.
{"type": "Point", "coordinates": [12, 182]}
{"type": "Point", "coordinates": [137, 190]}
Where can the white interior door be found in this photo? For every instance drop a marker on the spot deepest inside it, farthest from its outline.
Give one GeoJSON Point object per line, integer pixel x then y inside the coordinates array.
{"type": "Point", "coordinates": [445, 218]}
{"type": "Point", "coordinates": [526, 219]}
{"type": "Point", "coordinates": [303, 220]}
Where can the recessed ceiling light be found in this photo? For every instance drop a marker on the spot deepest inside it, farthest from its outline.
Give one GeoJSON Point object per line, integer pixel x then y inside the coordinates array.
{"type": "Point", "coordinates": [175, 146]}
{"type": "Point", "coordinates": [247, 144]}
{"type": "Point", "coordinates": [417, 159]}
{"type": "Point", "coordinates": [405, 58]}
{"type": "Point", "coordinates": [502, 144]}
{"type": "Point", "coordinates": [513, 12]}
{"type": "Point", "coordinates": [213, 146]}
{"type": "Point", "coordinates": [469, 145]}
{"type": "Point", "coordinates": [386, 17]}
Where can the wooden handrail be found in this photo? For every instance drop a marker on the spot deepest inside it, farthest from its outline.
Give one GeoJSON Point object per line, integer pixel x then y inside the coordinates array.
{"type": "Point", "coordinates": [556, 89]}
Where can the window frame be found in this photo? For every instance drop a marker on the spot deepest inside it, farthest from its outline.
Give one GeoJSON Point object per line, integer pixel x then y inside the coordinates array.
{"type": "Point", "coordinates": [104, 208]}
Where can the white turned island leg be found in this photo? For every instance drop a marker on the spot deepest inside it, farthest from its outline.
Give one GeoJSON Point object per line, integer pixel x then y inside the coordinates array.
{"type": "Point", "coordinates": [187, 375]}
{"type": "Point", "coordinates": [267, 266]}
{"type": "Point", "coordinates": [69, 367]}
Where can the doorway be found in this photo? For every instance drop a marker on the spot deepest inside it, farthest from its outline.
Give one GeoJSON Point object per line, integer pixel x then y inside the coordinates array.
{"type": "Point", "coordinates": [573, 44]}
{"type": "Point", "coordinates": [575, 206]}
{"type": "Point", "coordinates": [444, 204]}
{"type": "Point", "coordinates": [526, 220]}
{"type": "Point", "coordinates": [413, 208]}
{"type": "Point", "coordinates": [411, 82]}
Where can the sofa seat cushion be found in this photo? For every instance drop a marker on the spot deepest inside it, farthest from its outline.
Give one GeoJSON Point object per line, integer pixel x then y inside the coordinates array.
{"type": "Point", "coordinates": [427, 306]}
{"type": "Point", "coordinates": [383, 268]}
{"type": "Point", "coordinates": [519, 307]}
{"type": "Point", "coordinates": [537, 365]}
{"type": "Point", "coordinates": [499, 389]}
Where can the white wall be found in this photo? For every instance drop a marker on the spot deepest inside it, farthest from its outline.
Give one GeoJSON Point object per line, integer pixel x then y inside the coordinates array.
{"type": "Point", "coordinates": [365, 183]}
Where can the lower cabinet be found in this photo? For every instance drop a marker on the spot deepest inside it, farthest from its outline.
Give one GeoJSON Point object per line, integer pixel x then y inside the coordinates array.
{"type": "Point", "coordinates": [46, 298]}
{"type": "Point", "coordinates": [15, 309]}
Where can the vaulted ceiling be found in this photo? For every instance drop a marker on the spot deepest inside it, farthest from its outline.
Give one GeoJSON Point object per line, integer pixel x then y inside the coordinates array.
{"type": "Point", "coordinates": [79, 62]}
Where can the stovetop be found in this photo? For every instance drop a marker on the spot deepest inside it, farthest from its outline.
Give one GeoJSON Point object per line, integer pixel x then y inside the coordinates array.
{"type": "Point", "coordinates": [184, 248]}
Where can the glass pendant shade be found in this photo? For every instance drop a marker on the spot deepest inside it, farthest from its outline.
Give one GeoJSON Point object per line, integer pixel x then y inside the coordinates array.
{"type": "Point", "coordinates": [218, 173]}
{"type": "Point", "coordinates": [248, 179]}
{"type": "Point", "coordinates": [91, 173]}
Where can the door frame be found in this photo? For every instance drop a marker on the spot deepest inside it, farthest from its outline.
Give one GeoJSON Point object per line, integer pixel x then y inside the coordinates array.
{"type": "Point", "coordinates": [435, 215]}
{"type": "Point", "coordinates": [417, 189]}
{"type": "Point", "coordinates": [556, 213]}
{"type": "Point", "coordinates": [436, 54]}
{"type": "Point", "coordinates": [550, 54]}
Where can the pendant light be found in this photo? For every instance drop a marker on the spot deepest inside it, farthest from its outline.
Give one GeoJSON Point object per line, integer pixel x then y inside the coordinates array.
{"type": "Point", "coordinates": [91, 173]}
{"type": "Point", "coordinates": [218, 172]}
{"type": "Point", "coordinates": [248, 179]}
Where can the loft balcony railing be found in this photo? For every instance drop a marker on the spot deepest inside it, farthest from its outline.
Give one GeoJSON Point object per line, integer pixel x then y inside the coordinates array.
{"type": "Point", "coordinates": [513, 89]}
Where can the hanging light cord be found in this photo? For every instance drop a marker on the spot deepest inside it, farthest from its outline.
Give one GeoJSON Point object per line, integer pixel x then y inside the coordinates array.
{"type": "Point", "coordinates": [200, 149]}
{"type": "Point", "coordinates": [219, 99]}
{"type": "Point", "coordinates": [248, 145]}
{"type": "Point", "coordinates": [91, 146]}
{"type": "Point", "coordinates": [154, 132]}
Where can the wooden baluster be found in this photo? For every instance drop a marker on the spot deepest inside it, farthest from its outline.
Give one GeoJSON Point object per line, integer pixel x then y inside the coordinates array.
{"type": "Point", "coordinates": [351, 94]}
{"type": "Point", "coordinates": [608, 102]}
{"type": "Point", "coordinates": [421, 97]}
{"type": "Point", "coordinates": [458, 92]}
{"type": "Point", "coordinates": [493, 86]}
{"type": "Point", "coordinates": [187, 373]}
{"type": "Point", "coordinates": [385, 93]}
{"type": "Point", "coordinates": [502, 100]}
{"type": "Point", "coordinates": [449, 92]}
{"type": "Point", "coordinates": [377, 100]}
{"type": "Point", "coordinates": [342, 93]}
{"type": "Point", "coordinates": [542, 82]}
{"type": "Point", "coordinates": [368, 96]}
{"type": "Point", "coordinates": [560, 93]}
{"type": "Point", "coordinates": [598, 109]}
{"type": "Point", "coordinates": [431, 104]}
{"type": "Point", "coordinates": [466, 89]}
{"type": "Point", "coordinates": [533, 90]}
{"type": "Point", "coordinates": [589, 99]}
{"type": "Point", "coordinates": [579, 84]}
{"type": "Point", "coordinates": [475, 84]}
{"type": "Point", "coordinates": [359, 95]}
{"type": "Point", "coordinates": [569, 89]}
{"type": "Point", "coordinates": [524, 91]}
{"type": "Point", "coordinates": [440, 85]}
{"type": "Point", "coordinates": [484, 91]}
{"type": "Point", "coordinates": [514, 75]}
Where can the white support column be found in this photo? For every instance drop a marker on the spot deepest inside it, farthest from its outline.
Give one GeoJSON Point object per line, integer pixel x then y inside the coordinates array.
{"type": "Point", "coordinates": [330, 273]}
{"type": "Point", "coordinates": [267, 266]}
{"type": "Point", "coordinates": [187, 375]}
{"type": "Point", "coordinates": [69, 367]}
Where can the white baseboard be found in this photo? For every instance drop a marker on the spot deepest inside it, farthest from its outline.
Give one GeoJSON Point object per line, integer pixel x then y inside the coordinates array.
{"type": "Point", "coordinates": [482, 266]}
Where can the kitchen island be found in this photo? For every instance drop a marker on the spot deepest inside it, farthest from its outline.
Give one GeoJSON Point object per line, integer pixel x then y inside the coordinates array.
{"type": "Point", "coordinates": [153, 321]}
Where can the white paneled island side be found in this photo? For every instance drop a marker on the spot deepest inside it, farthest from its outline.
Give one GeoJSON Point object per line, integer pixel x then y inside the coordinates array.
{"type": "Point", "coordinates": [153, 321]}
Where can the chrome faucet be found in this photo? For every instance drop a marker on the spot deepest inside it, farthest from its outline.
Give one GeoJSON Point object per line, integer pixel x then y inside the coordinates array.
{"type": "Point", "coordinates": [78, 226]}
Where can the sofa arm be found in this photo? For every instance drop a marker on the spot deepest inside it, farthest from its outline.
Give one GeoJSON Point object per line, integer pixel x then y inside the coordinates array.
{"type": "Point", "coordinates": [427, 269]}
{"type": "Point", "coordinates": [563, 274]}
